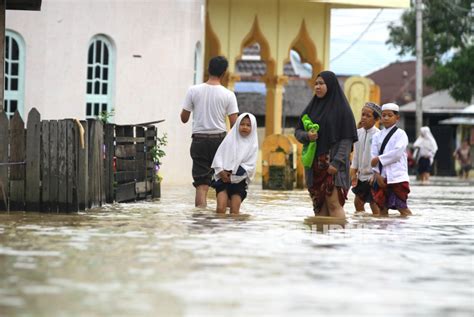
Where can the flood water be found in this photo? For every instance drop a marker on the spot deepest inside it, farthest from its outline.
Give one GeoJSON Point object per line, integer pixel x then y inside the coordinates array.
{"type": "Point", "coordinates": [166, 258]}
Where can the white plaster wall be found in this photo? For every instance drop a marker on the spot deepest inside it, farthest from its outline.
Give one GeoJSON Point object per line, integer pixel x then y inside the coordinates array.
{"type": "Point", "coordinates": [147, 88]}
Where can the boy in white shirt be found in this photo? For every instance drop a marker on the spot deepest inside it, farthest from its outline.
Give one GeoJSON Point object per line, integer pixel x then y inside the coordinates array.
{"type": "Point", "coordinates": [361, 169]}
{"type": "Point", "coordinates": [389, 163]}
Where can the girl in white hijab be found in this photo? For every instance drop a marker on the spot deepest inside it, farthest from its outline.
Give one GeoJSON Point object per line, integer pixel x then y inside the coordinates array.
{"type": "Point", "coordinates": [235, 163]}
{"type": "Point", "coordinates": [427, 148]}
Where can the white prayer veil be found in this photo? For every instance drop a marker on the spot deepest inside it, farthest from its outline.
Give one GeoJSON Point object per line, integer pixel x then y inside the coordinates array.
{"type": "Point", "coordinates": [427, 143]}
{"type": "Point", "coordinates": [236, 150]}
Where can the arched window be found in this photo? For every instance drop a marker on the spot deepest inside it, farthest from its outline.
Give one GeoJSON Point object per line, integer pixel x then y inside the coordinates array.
{"type": "Point", "coordinates": [198, 68]}
{"type": "Point", "coordinates": [100, 75]}
{"type": "Point", "coordinates": [14, 73]}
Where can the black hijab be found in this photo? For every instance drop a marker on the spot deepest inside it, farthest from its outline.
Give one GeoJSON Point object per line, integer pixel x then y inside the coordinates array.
{"type": "Point", "coordinates": [333, 114]}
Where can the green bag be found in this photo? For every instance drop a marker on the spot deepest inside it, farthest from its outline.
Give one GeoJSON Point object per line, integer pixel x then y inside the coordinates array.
{"type": "Point", "coordinates": [309, 150]}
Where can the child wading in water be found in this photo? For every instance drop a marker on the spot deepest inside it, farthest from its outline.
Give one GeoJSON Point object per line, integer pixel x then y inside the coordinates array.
{"type": "Point", "coordinates": [235, 163]}
{"type": "Point", "coordinates": [361, 169]}
{"type": "Point", "coordinates": [389, 162]}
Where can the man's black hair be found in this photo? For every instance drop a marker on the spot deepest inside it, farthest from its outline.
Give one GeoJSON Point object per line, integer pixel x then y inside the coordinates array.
{"type": "Point", "coordinates": [218, 66]}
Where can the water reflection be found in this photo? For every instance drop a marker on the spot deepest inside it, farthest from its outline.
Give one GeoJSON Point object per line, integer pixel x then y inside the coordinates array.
{"type": "Point", "coordinates": [168, 258]}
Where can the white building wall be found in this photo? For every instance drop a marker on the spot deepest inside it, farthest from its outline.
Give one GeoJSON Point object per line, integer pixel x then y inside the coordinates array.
{"type": "Point", "coordinates": [154, 42]}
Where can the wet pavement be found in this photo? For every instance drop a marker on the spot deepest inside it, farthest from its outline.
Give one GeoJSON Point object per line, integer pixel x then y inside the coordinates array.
{"type": "Point", "coordinates": [166, 258]}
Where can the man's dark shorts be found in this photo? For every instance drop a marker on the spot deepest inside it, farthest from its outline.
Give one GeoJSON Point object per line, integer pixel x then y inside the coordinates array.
{"type": "Point", "coordinates": [203, 149]}
{"type": "Point", "coordinates": [362, 190]}
{"type": "Point", "coordinates": [232, 189]}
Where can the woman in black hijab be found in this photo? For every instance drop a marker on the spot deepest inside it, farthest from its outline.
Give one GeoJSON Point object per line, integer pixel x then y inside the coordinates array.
{"type": "Point", "coordinates": [328, 179]}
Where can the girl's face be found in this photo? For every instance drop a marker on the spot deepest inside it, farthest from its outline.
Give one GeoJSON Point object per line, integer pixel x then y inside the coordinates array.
{"type": "Point", "coordinates": [367, 120]}
{"type": "Point", "coordinates": [245, 127]}
{"type": "Point", "coordinates": [389, 118]}
{"type": "Point", "coordinates": [320, 88]}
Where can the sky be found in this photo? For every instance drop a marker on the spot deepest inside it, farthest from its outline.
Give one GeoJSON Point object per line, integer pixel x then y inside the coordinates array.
{"type": "Point", "coordinates": [368, 54]}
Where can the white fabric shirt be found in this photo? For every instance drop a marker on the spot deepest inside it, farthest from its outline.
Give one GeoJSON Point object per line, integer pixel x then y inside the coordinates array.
{"type": "Point", "coordinates": [236, 150]}
{"type": "Point", "coordinates": [362, 153]}
{"type": "Point", "coordinates": [394, 157]}
{"type": "Point", "coordinates": [210, 105]}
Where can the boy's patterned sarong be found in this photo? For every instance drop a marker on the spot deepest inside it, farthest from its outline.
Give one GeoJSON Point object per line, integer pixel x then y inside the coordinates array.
{"type": "Point", "coordinates": [394, 196]}
{"type": "Point", "coordinates": [323, 184]}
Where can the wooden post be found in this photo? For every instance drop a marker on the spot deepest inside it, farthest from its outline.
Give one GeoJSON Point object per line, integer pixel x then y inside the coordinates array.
{"type": "Point", "coordinates": [4, 185]}
{"type": "Point", "coordinates": [33, 143]}
{"type": "Point", "coordinates": [109, 163]}
{"type": "Point", "coordinates": [54, 165]}
{"type": "Point", "coordinates": [17, 155]}
{"type": "Point", "coordinates": [71, 174]}
{"type": "Point", "coordinates": [45, 167]}
{"type": "Point", "coordinates": [83, 169]}
{"type": "Point", "coordinates": [100, 171]}
{"type": "Point", "coordinates": [126, 152]}
{"type": "Point", "coordinates": [62, 166]}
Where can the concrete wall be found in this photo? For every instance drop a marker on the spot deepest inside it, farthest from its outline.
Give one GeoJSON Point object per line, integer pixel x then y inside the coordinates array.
{"type": "Point", "coordinates": [154, 42]}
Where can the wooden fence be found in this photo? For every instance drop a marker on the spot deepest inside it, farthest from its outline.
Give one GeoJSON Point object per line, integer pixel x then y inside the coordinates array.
{"type": "Point", "coordinates": [70, 165]}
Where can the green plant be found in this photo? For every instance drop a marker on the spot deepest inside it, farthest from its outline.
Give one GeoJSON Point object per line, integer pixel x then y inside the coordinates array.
{"type": "Point", "coordinates": [105, 116]}
{"type": "Point", "coordinates": [158, 153]}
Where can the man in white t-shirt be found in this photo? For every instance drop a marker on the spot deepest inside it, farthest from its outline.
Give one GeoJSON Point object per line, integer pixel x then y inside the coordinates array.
{"type": "Point", "coordinates": [210, 103]}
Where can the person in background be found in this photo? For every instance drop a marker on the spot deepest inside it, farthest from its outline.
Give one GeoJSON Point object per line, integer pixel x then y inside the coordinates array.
{"type": "Point", "coordinates": [427, 148]}
{"type": "Point", "coordinates": [463, 155]}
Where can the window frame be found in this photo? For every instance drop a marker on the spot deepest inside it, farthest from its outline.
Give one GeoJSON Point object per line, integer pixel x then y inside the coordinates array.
{"type": "Point", "coordinates": [19, 94]}
{"type": "Point", "coordinates": [94, 98]}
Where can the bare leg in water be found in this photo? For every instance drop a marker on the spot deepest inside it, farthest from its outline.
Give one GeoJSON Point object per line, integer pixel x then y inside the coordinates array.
{"type": "Point", "coordinates": [333, 205]}
{"type": "Point", "coordinates": [201, 196]}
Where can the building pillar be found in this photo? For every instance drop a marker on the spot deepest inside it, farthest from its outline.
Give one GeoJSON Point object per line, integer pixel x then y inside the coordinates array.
{"type": "Point", "coordinates": [274, 104]}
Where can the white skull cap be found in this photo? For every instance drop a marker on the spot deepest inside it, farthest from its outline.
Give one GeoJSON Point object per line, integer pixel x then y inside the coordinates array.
{"type": "Point", "coordinates": [391, 106]}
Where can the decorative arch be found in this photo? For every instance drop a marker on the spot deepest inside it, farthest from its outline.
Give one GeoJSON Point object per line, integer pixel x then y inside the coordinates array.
{"type": "Point", "coordinates": [304, 45]}
{"type": "Point", "coordinates": [14, 89]}
{"type": "Point", "coordinates": [256, 36]}
{"type": "Point", "coordinates": [100, 80]}
{"type": "Point", "coordinates": [212, 46]}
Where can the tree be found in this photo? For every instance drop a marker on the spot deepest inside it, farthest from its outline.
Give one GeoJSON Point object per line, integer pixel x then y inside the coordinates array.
{"type": "Point", "coordinates": [448, 43]}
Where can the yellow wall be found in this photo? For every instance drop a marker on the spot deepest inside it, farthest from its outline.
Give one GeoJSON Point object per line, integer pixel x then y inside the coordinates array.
{"type": "Point", "coordinates": [279, 21]}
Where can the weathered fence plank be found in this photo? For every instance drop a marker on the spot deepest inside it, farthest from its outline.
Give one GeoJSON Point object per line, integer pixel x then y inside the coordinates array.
{"type": "Point", "coordinates": [54, 165]}
{"type": "Point", "coordinates": [4, 184]}
{"type": "Point", "coordinates": [109, 162]}
{"type": "Point", "coordinates": [17, 155]}
{"type": "Point", "coordinates": [71, 166]}
{"type": "Point", "coordinates": [125, 177]}
{"type": "Point", "coordinates": [82, 166]}
{"type": "Point", "coordinates": [140, 158]}
{"type": "Point", "coordinates": [33, 145]}
{"type": "Point", "coordinates": [68, 165]}
{"type": "Point", "coordinates": [45, 166]}
{"type": "Point", "coordinates": [125, 192]}
{"type": "Point", "coordinates": [93, 157]}
{"type": "Point", "coordinates": [125, 150]}
{"type": "Point", "coordinates": [102, 163]}
{"type": "Point", "coordinates": [62, 166]}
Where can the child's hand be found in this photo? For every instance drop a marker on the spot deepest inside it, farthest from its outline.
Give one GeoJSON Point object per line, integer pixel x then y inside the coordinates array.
{"type": "Point", "coordinates": [332, 170]}
{"type": "Point", "coordinates": [380, 181]}
{"type": "Point", "coordinates": [354, 182]}
{"type": "Point", "coordinates": [225, 176]}
{"type": "Point", "coordinates": [374, 161]}
{"type": "Point", "coordinates": [372, 180]}
{"type": "Point", "coordinates": [312, 135]}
